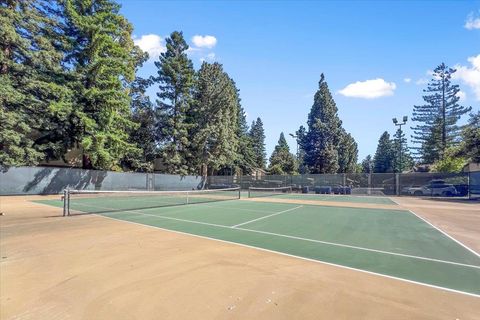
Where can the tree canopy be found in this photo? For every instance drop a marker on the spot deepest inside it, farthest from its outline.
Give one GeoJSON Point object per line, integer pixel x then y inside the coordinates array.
{"type": "Point", "coordinates": [326, 147]}
{"type": "Point", "coordinates": [176, 78]}
{"type": "Point", "coordinates": [35, 96]}
{"type": "Point", "coordinates": [436, 128]}
{"type": "Point", "coordinates": [281, 160]}
{"type": "Point", "coordinates": [383, 160]}
{"type": "Point", "coordinates": [70, 81]}
{"type": "Point", "coordinates": [214, 119]}
{"type": "Point", "coordinates": [257, 135]}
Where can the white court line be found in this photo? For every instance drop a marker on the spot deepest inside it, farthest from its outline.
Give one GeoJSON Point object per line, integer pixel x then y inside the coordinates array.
{"type": "Point", "coordinates": [208, 204]}
{"type": "Point", "coordinates": [446, 234]}
{"type": "Point", "coordinates": [296, 257]}
{"type": "Point", "coordinates": [296, 238]}
{"type": "Point", "coordinates": [150, 215]}
{"type": "Point", "coordinates": [265, 217]}
{"type": "Point", "coordinates": [336, 195]}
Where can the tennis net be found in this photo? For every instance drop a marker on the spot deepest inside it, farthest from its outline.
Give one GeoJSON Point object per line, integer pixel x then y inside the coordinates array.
{"type": "Point", "coordinates": [90, 201]}
{"type": "Point", "coordinates": [255, 192]}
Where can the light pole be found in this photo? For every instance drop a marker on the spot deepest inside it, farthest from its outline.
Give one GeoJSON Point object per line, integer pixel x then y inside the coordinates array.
{"type": "Point", "coordinates": [296, 140]}
{"type": "Point", "coordinates": [395, 121]}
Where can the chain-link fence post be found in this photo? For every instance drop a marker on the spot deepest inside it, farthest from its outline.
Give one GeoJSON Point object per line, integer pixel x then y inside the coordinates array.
{"type": "Point", "coordinates": [397, 184]}
{"type": "Point", "coordinates": [369, 183]}
{"type": "Point", "coordinates": [468, 186]}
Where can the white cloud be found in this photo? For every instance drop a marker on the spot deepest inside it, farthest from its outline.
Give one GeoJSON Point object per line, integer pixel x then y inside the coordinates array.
{"type": "Point", "coordinates": [470, 75]}
{"type": "Point", "coordinates": [192, 50]}
{"type": "Point", "coordinates": [204, 41]}
{"type": "Point", "coordinates": [407, 80]}
{"type": "Point", "coordinates": [369, 89]}
{"type": "Point", "coordinates": [151, 43]}
{"type": "Point", "coordinates": [421, 81]}
{"type": "Point", "coordinates": [472, 22]}
{"type": "Point", "coordinates": [208, 57]}
{"type": "Point", "coordinates": [462, 95]}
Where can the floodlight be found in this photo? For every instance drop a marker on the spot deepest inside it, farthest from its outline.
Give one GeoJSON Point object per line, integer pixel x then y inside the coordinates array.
{"type": "Point", "coordinates": [405, 118]}
{"type": "Point", "coordinates": [395, 120]}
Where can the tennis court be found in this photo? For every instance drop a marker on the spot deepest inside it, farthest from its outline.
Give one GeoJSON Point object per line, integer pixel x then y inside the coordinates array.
{"type": "Point", "coordinates": [390, 242]}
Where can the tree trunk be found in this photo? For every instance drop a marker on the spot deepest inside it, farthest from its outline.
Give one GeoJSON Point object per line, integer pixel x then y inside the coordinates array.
{"type": "Point", "coordinates": [444, 124]}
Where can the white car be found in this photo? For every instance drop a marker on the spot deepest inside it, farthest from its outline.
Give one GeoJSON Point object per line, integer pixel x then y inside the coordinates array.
{"type": "Point", "coordinates": [434, 188]}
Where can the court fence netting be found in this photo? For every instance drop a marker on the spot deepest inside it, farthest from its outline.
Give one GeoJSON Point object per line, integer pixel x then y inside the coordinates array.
{"type": "Point", "coordinates": [255, 192]}
{"type": "Point", "coordinates": [91, 201]}
{"type": "Point", "coordinates": [52, 180]}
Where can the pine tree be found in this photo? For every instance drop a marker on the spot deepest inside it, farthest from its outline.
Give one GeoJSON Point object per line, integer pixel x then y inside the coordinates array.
{"type": "Point", "coordinates": [33, 95]}
{"type": "Point", "coordinates": [367, 164]}
{"type": "Point", "coordinates": [320, 142]}
{"type": "Point", "coordinates": [301, 136]}
{"type": "Point", "coordinates": [103, 60]}
{"type": "Point", "coordinates": [437, 119]}
{"type": "Point", "coordinates": [430, 147]}
{"type": "Point", "coordinates": [214, 119]}
{"type": "Point", "coordinates": [282, 144]}
{"type": "Point", "coordinates": [383, 160]}
{"type": "Point", "coordinates": [470, 146]}
{"type": "Point", "coordinates": [347, 153]}
{"type": "Point", "coordinates": [402, 157]}
{"type": "Point", "coordinates": [257, 134]}
{"type": "Point", "coordinates": [176, 81]}
{"type": "Point", "coordinates": [281, 160]}
{"type": "Point", "coordinates": [143, 114]}
{"type": "Point", "coordinates": [245, 158]}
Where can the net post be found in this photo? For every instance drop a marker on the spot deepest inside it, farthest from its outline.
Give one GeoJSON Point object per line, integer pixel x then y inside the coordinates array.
{"type": "Point", "coordinates": [68, 201]}
{"type": "Point", "coordinates": [239, 192]}
{"type": "Point", "coordinates": [64, 202]}
{"type": "Point", "coordinates": [249, 192]}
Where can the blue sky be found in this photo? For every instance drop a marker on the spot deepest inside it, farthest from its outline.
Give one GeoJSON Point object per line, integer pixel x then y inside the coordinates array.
{"type": "Point", "coordinates": [375, 56]}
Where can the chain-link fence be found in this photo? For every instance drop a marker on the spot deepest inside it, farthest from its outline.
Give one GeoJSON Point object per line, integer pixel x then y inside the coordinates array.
{"type": "Point", "coordinates": [49, 180]}
{"type": "Point", "coordinates": [474, 185]}
{"type": "Point", "coordinates": [407, 184]}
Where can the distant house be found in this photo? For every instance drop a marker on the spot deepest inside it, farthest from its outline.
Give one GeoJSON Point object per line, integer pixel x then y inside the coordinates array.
{"type": "Point", "coordinates": [258, 173]}
{"type": "Point", "coordinates": [422, 168]}
{"type": "Point", "coordinates": [471, 167]}
{"type": "Point", "coordinates": [73, 158]}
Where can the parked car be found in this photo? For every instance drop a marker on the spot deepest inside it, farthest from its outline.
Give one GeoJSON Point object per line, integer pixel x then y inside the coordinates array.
{"type": "Point", "coordinates": [434, 188]}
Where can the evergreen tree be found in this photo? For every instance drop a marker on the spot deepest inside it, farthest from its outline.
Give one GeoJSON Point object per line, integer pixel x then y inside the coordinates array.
{"type": "Point", "coordinates": [33, 95]}
{"type": "Point", "coordinates": [301, 133]}
{"type": "Point", "coordinates": [347, 153]}
{"type": "Point", "coordinates": [214, 120]}
{"type": "Point", "coordinates": [367, 164]}
{"type": "Point", "coordinates": [245, 157]}
{"type": "Point", "coordinates": [282, 144]}
{"type": "Point", "coordinates": [176, 81]}
{"type": "Point", "coordinates": [281, 160]}
{"type": "Point", "coordinates": [430, 149]}
{"type": "Point", "coordinates": [470, 146]}
{"type": "Point", "coordinates": [103, 59]}
{"type": "Point", "coordinates": [320, 142]}
{"type": "Point", "coordinates": [257, 134]}
{"type": "Point", "coordinates": [143, 114]}
{"type": "Point", "coordinates": [384, 156]}
{"type": "Point", "coordinates": [437, 119]}
{"type": "Point", "coordinates": [402, 158]}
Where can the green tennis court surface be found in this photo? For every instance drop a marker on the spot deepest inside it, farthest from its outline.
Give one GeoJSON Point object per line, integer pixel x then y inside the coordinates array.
{"type": "Point", "coordinates": [336, 198]}
{"type": "Point", "coordinates": [395, 243]}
